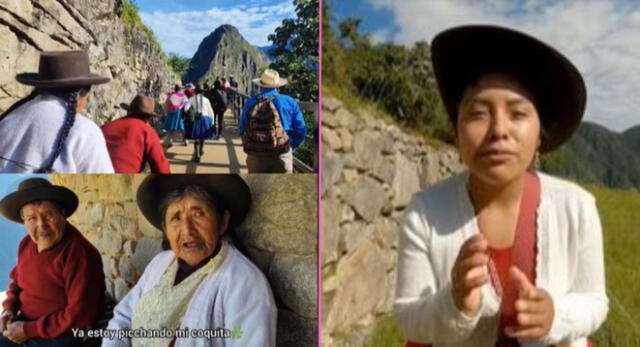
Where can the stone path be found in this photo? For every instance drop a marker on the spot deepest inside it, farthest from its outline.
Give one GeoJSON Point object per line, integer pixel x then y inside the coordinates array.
{"type": "Point", "coordinates": [224, 155]}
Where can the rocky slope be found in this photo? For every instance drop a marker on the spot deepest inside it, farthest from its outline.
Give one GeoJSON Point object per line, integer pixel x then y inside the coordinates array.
{"type": "Point", "coordinates": [126, 55]}
{"type": "Point", "coordinates": [223, 53]}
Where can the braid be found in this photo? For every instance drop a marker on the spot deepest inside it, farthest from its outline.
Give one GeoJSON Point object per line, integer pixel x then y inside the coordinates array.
{"type": "Point", "coordinates": [70, 98]}
{"type": "Point", "coordinates": [20, 102]}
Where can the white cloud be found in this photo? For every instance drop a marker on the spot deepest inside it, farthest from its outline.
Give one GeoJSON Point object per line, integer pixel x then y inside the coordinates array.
{"type": "Point", "coordinates": [601, 37]}
{"type": "Point", "coordinates": [381, 36]}
{"type": "Point", "coordinates": [182, 32]}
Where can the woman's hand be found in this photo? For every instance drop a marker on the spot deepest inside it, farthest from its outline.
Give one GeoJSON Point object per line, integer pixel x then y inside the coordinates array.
{"type": "Point", "coordinates": [534, 308]}
{"type": "Point", "coordinates": [469, 274]}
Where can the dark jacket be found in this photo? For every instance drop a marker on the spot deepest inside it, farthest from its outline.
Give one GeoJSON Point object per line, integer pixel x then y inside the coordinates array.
{"type": "Point", "coordinates": [218, 100]}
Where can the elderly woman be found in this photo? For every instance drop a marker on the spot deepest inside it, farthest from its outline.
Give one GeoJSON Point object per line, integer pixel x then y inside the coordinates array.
{"type": "Point", "coordinates": [502, 255]}
{"type": "Point", "coordinates": [203, 282]}
{"type": "Point", "coordinates": [45, 132]}
{"type": "Point", "coordinates": [58, 284]}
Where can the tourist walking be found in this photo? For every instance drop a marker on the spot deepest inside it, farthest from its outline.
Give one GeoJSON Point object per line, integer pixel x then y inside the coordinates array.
{"type": "Point", "coordinates": [202, 126]}
{"type": "Point", "coordinates": [173, 122]}
{"type": "Point", "coordinates": [45, 131]}
{"type": "Point", "coordinates": [220, 102]}
{"type": "Point", "coordinates": [190, 91]}
{"type": "Point", "coordinates": [271, 126]}
{"type": "Point", "coordinates": [133, 143]}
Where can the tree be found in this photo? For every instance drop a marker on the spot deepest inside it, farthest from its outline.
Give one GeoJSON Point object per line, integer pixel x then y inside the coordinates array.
{"type": "Point", "coordinates": [179, 64]}
{"type": "Point", "coordinates": [295, 48]}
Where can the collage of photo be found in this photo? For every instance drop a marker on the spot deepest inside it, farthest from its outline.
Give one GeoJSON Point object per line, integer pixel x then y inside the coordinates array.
{"type": "Point", "coordinates": [293, 173]}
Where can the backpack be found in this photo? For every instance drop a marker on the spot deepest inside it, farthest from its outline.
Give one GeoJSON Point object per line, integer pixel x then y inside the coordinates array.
{"type": "Point", "coordinates": [264, 134]}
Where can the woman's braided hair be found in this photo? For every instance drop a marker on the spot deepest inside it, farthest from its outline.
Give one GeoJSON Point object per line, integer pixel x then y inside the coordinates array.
{"type": "Point", "coordinates": [70, 98]}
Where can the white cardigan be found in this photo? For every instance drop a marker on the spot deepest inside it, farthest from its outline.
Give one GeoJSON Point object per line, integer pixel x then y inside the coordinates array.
{"type": "Point", "coordinates": [236, 294]}
{"type": "Point", "coordinates": [569, 265]}
{"type": "Point", "coordinates": [28, 135]}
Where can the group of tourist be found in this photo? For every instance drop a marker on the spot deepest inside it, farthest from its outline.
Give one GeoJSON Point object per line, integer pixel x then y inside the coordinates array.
{"type": "Point", "coordinates": [198, 113]}
{"type": "Point", "coordinates": [46, 131]}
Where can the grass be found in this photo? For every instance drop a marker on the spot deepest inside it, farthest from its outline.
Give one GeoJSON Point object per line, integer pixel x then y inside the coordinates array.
{"type": "Point", "coordinates": [385, 334]}
{"type": "Point", "coordinates": [619, 212]}
{"type": "Point", "coordinates": [620, 216]}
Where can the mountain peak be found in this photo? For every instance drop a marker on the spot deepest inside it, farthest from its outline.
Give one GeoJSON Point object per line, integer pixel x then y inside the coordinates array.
{"type": "Point", "coordinates": [226, 52]}
{"type": "Point", "coordinates": [227, 28]}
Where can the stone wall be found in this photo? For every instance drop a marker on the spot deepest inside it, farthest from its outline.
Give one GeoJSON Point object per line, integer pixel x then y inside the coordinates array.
{"type": "Point", "coordinates": [279, 235]}
{"type": "Point", "coordinates": [370, 171]}
{"type": "Point", "coordinates": [123, 54]}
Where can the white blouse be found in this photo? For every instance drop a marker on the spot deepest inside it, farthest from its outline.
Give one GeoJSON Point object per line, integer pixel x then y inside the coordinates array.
{"type": "Point", "coordinates": [235, 296]}
{"type": "Point", "coordinates": [569, 265]}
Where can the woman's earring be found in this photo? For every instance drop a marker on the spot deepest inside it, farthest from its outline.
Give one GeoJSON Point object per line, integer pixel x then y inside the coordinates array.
{"type": "Point", "coordinates": [536, 162]}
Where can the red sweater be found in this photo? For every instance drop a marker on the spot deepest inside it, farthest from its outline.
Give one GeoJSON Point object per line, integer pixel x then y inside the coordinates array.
{"type": "Point", "coordinates": [132, 143]}
{"type": "Point", "coordinates": [58, 289]}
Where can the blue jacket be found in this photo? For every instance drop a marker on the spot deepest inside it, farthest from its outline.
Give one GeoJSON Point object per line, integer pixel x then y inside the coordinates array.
{"type": "Point", "coordinates": [290, 116]}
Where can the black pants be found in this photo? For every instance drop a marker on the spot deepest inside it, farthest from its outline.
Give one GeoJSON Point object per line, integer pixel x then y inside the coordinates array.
{"type": "Point", "coordinates": [66, 340]}
{"type": "Point", "coordinates": [198, 148]}
{"type": "Point", "coordinates": [219, 121]}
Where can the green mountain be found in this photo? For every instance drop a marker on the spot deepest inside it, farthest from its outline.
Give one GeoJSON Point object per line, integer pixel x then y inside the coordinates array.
{"type": "Point", "coordinates": [597, 154]}
{"type": "Point", "coordinates": [631, 138]}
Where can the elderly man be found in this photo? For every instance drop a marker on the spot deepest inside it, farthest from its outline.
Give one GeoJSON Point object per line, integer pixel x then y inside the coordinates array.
{"type": "Point", "coordinates": [271, 126]}
{"type": "Point", "coordinates": [58, 283]}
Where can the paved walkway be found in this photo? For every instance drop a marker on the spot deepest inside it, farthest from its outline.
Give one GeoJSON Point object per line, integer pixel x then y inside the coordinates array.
{"type": "Point", "coordinates": [224, 155]}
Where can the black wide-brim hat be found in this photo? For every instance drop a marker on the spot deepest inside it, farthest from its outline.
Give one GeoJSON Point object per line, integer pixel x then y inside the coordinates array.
{"type": "Point", "coordinates": [36, 189]}
{"type": "Point", "coordinates": [62, 69]}
{"type": "Point", "coordinates": [229, 189]}
{"type": "Point", "coordinates": [462, 54]}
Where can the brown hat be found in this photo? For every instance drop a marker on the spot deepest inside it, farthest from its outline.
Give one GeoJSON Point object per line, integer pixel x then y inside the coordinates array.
{"type": "Point", "coordinates": [230, 189]}
{"type": "Point", "coordinates": [62, 69]}
{"type": "Point", "coordinates": [463, 54]}
{"type": "Point", "coordinates": [142, 105]}
{"type": "Point", "coordinates": [35, 189]}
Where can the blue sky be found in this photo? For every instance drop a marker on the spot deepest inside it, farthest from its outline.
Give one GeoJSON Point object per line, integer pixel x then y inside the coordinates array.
{"type": "Point", "coordinates": [180, 26]}
{"type": "Point", "coordinates": [601, 37]}
{"type": "Point", "coordinates": [10, 233]}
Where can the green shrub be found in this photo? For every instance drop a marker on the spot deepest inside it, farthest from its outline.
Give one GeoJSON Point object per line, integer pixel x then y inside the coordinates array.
{"type": "Point", "coordinates": [131, 18]}
{"type": "Point", "coordinates": [398, 79]}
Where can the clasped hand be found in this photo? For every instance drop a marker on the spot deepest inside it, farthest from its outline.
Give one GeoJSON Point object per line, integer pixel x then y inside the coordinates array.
{"type": "Point", "coordinates": [534, 306]}
{"type": "Point", "coordinates": [12, 329]}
